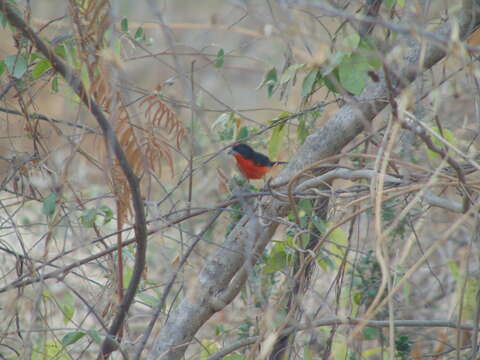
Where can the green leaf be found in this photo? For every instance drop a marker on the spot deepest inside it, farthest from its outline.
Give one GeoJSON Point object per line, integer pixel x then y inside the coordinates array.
{"type": "Point", "coordinates": [220, 60]}
{"type": "Point", "coordinates": [50, 350]}
{"type": "Point", "coordinates": [85, 76]}
{"type": "Point", "coordinates": [3, 19]}
{"type": "Point", "coordinates": [73, 337]}
{"type": "Point", "coordinates": [16, 65]}
{"type": "Point", "coordinates": [389, 3]}
{"type": "Point", "coordinates": [107, 213]}
{"type": "Point", "coordinates": [309, 82]}
{"type": "Point", "coordinates": [270, 81]}
{"type": "Point", "coordinates": [351, 42]}
{"type": "Point", "coordinates": [454, 269]}
{"type": "Point", "coordinates": [447, 135]}
{"type": "Point", "coordinates": [370, 333]}
{"type": "Point", "coordinates": [325, 262]}
{"type": "Point", "coordinates": [124, 25]}
{"type": "Point", "coordinates": [307, 353]}
{"type": "Point", "coordinates": [55, 84]}
{"type": "Point", "coordinates": [148, 299]}
{"type": "Point", "coordinates": [208, 348]}
{"type": "Point", "coordinates": [338, 243]}
{"type": "Point", "coordinates": [2, 67]}
{"type": "Point", "coordinates": [60, 51]}
{"type": "Point", "coordinates": [117, 48]}
{"type": "Point", "coordinates": [335, 59]}
{"type": "Point", "coordinates": [71, 54]}
{"type": "Point", "coordinates": [243, 133]}
{"type": "Point", "coordinates": [35, 56]}
{"type": "Point", "coordinates": [40, 68]}
{"type": "Point", "coordinates": [302, 129]}
{"type": "Point", "coordinates": [305, 207]}
{"type": "Point", "coordinates": [68, 307]}
{"type": "Point", "coordinates": [358, 298]}
{"type": "Point", "coordinates": [222, 119]}
{"type": "Point", "coordinates": [47, 295]}
{"type": "Point", "coordinates": [371, 352]}
{"type": "Point", "coordinates": [353, 73]}
{"type": "Point", "coordinates": [339, 349]}
{"type": "Point", "coordinates": [139, 34]}
{"type": "Point", "coordinates": [402, 344]}
{"type": "Point", "coordinates": [228, 123]}
{"type": "Point", "coordinates": [290, 73]}
{"type": "Point", "coordinates": [49, 204]}
{"type": "Point", "coordinates": [329, 82]}
{"type": "Point", "coordinates": [320, 224]}
{"type": "Point", "coordinates": [219, 329]}
{"type": "Point", "coordinates": [277, 259]}
{"type": "Point", "coordinates": [95, 336]}
{"type": "Point", "coordinates": [278, 134]}
{"type": "Point", "coordinates": [467, 290]}
{"type": "Point", "coordinates": [234, 357]}
{"type": "Point", "coordinates": [369, 49]}
{"type": "Point", "coordinates": [88, 218]}
{"type": "Point", "coordinates": [127, 275]}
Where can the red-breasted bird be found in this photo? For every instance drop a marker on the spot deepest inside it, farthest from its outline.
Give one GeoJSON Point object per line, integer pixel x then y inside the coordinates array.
{"type": "Point", "coordinates": [252, 164]}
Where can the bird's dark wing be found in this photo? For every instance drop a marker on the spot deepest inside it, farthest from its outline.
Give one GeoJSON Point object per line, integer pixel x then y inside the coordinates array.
{"type": "Point", "coordinates": [261, 159]}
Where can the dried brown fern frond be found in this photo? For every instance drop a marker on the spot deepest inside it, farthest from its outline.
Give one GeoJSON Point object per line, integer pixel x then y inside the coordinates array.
{"type": "Point", "coordinates": [91, 20]}
{"type": "Point", "coordinates": [146, 147]}
{"type": "Point", "coordinates": [163, 118]}
{"type": "Point", "coordinates": [133, 151]}
{"type": "Point", "coordinates": [164, 130]}
{"type": "Point", "coordinates": [100, 88]}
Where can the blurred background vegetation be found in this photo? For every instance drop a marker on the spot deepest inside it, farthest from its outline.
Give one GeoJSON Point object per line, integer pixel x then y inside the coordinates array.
{"type": "Point", "coordinates": [180, 81]}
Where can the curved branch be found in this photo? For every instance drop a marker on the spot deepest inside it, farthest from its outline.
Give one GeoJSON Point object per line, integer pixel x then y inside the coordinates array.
{"type": "Point", "coordinates": [140, 221]}
{"type": "Point", "coordinates": [348, 122]}
{"type": "Point", "coordinates": [346, 322]}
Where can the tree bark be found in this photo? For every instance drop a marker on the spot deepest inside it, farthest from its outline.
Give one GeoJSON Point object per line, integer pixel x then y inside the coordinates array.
{"type": "Point", "coordinates": [225, 271]}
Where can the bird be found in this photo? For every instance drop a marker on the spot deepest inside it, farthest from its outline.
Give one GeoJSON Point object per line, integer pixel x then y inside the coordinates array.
{"type": "Point", "coordinates": [252, 164]}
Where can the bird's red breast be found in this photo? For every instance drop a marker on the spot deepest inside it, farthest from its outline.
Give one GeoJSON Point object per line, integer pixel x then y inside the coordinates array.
{"type": "Point", "coordinates": [252, 164]}
{"type": "Point", "coordinates": [249, 168]}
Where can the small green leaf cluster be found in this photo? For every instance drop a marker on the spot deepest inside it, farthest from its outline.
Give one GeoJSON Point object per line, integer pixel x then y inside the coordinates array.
{"type": "Point", "coordinates": [366, 279]}
{"type": "Point", "coordinates": [229, 127]}
{"type": "Point", "coordinates": [346, 70]}
{"type": "Point", "coordinates": [89, 217]}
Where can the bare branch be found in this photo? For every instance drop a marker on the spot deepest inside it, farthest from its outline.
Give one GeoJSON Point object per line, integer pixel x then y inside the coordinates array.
{"type": "Point", "coordinates": [347, 123]}
{"type": "Point", "coordinates": [109, 134]}
{"type": "Point", "coordinates": [343, 322]}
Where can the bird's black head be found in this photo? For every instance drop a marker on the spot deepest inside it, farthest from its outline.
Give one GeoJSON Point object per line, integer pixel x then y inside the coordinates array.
{"type": "Point", "coordinates": [242, 149]}
{"type": "Point", "coordinates": [248, 153]}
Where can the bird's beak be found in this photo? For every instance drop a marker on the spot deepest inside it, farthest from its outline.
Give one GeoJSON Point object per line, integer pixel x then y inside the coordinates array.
{"type": "Point", "coordinates": [231, 152]}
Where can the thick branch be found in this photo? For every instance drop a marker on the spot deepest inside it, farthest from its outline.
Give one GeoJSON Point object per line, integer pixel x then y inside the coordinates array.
{"type": "Point", "coordinates": [109, 134]}
{"type": "Point", "coordinates": [348, 122]}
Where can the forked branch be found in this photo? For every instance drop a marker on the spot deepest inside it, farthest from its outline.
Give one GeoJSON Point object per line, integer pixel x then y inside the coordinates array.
{"type": "Point", "coordinates": [112, 141]}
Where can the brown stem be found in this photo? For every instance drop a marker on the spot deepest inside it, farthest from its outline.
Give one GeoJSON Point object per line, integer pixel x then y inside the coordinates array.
{"type": "Point", "coordinates": [109, 134]}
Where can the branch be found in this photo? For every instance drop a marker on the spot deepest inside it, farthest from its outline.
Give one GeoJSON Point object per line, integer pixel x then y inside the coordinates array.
{"type": "Point", "coordinates": [49, 119]}
{"type": "Point", "coordinates": [347, 322]}
{"type": "Point", "coordinates": [370, 174]}
{"type": "Point", "coordinates": [109, 134]}
{"type": "Point", "coordinates": [348, 122]}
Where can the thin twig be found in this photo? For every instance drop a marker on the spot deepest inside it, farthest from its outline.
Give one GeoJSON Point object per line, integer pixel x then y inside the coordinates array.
{"type": "Point", "coordinates": [173, 276]}
{"type": "Point", "coordinates": [341, 322]}
{"type": "Point", "coordinates": [140, 221]}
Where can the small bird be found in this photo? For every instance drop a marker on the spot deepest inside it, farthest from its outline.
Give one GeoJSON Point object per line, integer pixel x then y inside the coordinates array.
{"type": "Point", "coordinates": [252, 164]}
